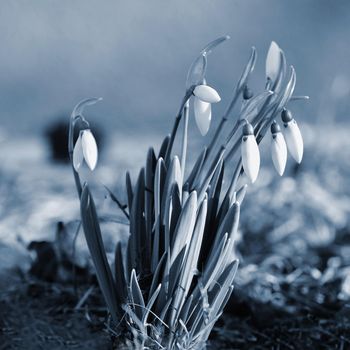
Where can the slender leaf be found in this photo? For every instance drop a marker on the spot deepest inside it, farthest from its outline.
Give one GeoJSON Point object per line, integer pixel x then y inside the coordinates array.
{"type": "Point", "coordinates": [129, 189]}
{"type": "Point", "coordinates": [164, 147]}
{"type": "Point", "coordinates": [185, 226]}
{"type": "Point", "coordinates": [196, 169]}
{"type": "Point", "coordinates": [138, 303]}
{"type": "Point", "coordinates": [94, 241]}
{"type": "Point", "coordinates": [120, 274]}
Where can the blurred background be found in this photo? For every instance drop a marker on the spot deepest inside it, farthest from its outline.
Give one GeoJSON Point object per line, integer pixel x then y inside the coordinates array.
{"type": "Point", "coordinates": [135, 54]}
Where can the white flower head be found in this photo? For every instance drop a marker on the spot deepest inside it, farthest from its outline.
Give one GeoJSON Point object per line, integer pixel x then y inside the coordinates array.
{"type": "Point", "coordinates": [202, 114]}
{"type": "Point", "coordinates": [78, 156]}
{"type": "Point", "coordinates": [203, 97]}
{"type": "Point", "coordinates": [273, 61]}
{"type": "Point", "coordinates": [278, 149]}
{"type": "Point", "coordinates": [85, 149]}
{"type": "Point", "coordinates": [250, 153]}
{"type": "Point", "coordinates": [293, 136]}
{"type": "Point", "coordinates": [206, 94]}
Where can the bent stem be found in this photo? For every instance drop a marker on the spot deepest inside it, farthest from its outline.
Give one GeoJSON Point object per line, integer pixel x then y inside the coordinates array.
{"type": "Point", "coordinates": [238, 90]}
{"type": "Point", "coordinates": [222, 123]}
{"type": "Point", "coordinates": [73, 120]}
{"type": "Point", "coordinates": [176, 125]}
{"type": "Point", "coordinates": [184, 140]}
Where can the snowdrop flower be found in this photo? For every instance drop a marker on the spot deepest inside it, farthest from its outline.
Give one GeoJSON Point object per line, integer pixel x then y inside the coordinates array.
{"type": "Point", "coordinates": [278, 148]}
{"type": "Point", "coordinates": [204, 96]}
{"type": "Point", "coordinates": [85, 149]}
{"type": "Point", "coordinates": [273, 61]}
{"type": "Point", "coordinates": [293, 136]}
{"type": "Point", "coordinates": [250, 153]}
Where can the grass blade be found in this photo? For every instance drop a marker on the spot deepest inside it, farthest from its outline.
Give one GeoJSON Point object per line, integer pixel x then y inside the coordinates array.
{"type": "Point", "coordinates": [95, 244]}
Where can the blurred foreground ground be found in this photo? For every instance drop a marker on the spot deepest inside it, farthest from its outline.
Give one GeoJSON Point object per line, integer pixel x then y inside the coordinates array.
{"type": "Point", "coordinates": [293, 286]}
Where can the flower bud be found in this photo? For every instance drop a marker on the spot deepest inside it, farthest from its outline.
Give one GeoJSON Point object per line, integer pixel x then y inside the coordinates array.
{"type": "Point", "coordinates": [202, 114]}
{"type": "Point", "coordinates": [78, 156]}
{"type": "Point", "coordinates": [206, 94]}
{"type": "Point", "coordinates": [286, 115]}
{"type": "Point", "coordinates": [89, 148]}
{"type": "Point", "coordinates": [247, 129]}
{"type": "Point", "coordinates": [293, 136]}
{"type": "Point", "coordinates": [273, 61]}
{"type": "Point", "coordinates": [250, 153]}
{"type": "Point", "coordinates": [278, 149]}
{"type": "Point", "coordinates": [247, 93]}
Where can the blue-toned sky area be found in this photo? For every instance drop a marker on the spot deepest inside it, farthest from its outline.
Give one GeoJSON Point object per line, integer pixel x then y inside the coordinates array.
{"type": "Point", "coordinates": [135, 54]}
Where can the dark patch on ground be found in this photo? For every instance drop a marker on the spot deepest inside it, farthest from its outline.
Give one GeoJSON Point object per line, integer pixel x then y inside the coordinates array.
{"type": "Point", "coordinates": [41, 315]}
{"type": "Point", "coordinates": [38, 315]}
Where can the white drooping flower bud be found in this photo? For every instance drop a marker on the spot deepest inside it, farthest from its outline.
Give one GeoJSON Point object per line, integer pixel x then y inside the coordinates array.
{"type": "Point", "coordinates": [202, 114]}
{"type": "Point", "coordinates": [293, 136]}
{"type": "Point", "coordinates": [273, 61]}
{"type": "Point", "coordinates": [206, 94]}
{"type": "Point", "coordinates": [89, 148]}
{"type": "Point", "coordinates": [250, 153]}
{"type": "Point", "coordinates": [278, 149]}
{"type": "Point", "coordinates": [78, 155]}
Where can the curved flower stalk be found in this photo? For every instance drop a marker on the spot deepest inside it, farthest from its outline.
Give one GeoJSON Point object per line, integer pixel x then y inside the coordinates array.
{"type": "Point", "coordinates": [196, 73]}
{"type": "Point", "coordinates": [242, 83]}
{"type": "Point", "coordinates": [278, 149]}
{"type": "Point", "coordinates": [175, 273]}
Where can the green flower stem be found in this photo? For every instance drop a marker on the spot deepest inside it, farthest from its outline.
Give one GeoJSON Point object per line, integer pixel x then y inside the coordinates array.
{"type": "Point", "coordinates": [233, 150]}
{"type": "Point", "coordinates": [222, 123]}
{"type": "Point", "coordinates": [73, 120]}
{"type": "Point", "coordinates": [176, 125]}
{"type": "Point", "coordinates": [235, 178]}
{"type": "Point", "coordinates": [184, 140]}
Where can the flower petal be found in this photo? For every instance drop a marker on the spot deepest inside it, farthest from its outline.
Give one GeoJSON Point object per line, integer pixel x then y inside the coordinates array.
{"type": "Point", "coordinates": [273, 61]}
{"type": "Point", "coordinates": [206, 94]}
{"type": "Point", "coordinates": [89, 148]}
{"type": "Point", "coordinates": [250, 157]}
{"type": "Point", "coordinates": [294, 140]}
{"type": "Point", "coordinates": [279, 152]}
{"type": "Point", "coordinates": [78, 156]}
{"type": "Point", "coordinates": [202, 114]}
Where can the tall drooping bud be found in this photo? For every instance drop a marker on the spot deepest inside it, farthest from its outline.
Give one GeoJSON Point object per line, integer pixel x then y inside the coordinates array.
{"type": "Point", "coordinates": [204, 96]}
{"type": "Point", "coordinates": [250, 153]}
{"type": "Point", "coordinates": [292, 135]}
{"type": "Point", "coordinates": [85, 148]}
{"type": "Point", "coordinates": [273, 61]}
{"type": "Point", "coordinates": [202, 114]}
{"type": "Point", "coordinates": [89, 145]}
{"type": "Point", "coordinates": [278, 148]}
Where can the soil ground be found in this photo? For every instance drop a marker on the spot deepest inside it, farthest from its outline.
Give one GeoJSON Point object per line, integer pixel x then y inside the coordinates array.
{"type": "Point", "coordinates": [42, 315]}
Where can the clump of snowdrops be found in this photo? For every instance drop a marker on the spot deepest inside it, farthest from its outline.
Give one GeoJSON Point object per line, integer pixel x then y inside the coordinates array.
{"type": "Point", "coordinates": [174, 276]}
